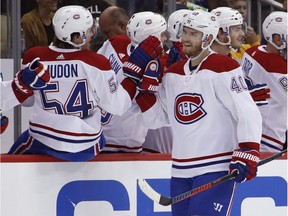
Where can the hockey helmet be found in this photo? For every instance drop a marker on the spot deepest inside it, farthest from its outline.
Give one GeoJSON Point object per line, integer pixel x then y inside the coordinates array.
{"type": "Point", "coordinates": [275, 23]}
{"type": "Point", "coordinates": [227, 17]}
{"type": "Point", "coordinates": [72, 19]}
{"type": "Point", "coordinates": [174, 24]}
{"type": "Point", "coordinates": [143, 24]}
{"type": "Point", "coordinates": [204, 22]}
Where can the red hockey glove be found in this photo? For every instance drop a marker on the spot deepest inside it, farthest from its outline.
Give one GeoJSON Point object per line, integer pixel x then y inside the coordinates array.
{"type": "Point", "coordinates": [150, 81]}
{"type": "Point", "coordinates": [176, 54]}
{"type": "Point", "coordinates": [34, 77]}
{"type": "Point", "coordinates": [4, 124]}
{"type": "Point", "coordinates": [259, 93]}
{"type": "Point", "coordinates": [148, 50]}
{"type": "Point", "coordinates": [245, 161]}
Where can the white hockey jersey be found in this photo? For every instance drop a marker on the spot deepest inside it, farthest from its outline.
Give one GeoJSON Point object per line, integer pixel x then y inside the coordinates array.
{"type": "Point", "coordinates": [127, 132]}
{"type": "Point", "coordinates": [66, 114]}
{"type": "Point", "coordinates": [262, 67]}
{"type": "Point", "coordinates": [210, 112]}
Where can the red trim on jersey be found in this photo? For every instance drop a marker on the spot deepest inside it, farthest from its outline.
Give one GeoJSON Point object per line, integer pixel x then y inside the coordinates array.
{"type": "Point", "coordinates": [47, 54]}
{"type": "Point", "coordinates": [202, 158]}
{"type": "Point", "coordinates": [129, 86]}
{"type": "Point", "coordinates": [250, 145]}
{"type": "Point", "coordinates": [219, 63]}
{"type": "Point", "coordinates": [63, 132]}
{"type": "Point", "coordinates": [122, 147]}
{"type": "Point", "coordinates": [273, 139]}
{"type": "Point", "coordinates": [145, 101]}
{"type": "Point", "coordinates": [269, 61]}
{"type": "Point", "coordinates": [120, 44]}
{"type": "Point", "coordinates": [23, 147]}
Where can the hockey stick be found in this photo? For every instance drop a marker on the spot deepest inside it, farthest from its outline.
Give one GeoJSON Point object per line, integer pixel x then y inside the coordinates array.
{"type": "Point", "coordinates": [165, 201]}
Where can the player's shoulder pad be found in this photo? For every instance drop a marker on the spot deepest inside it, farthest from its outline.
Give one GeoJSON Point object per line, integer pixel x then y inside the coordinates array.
{"type": "Point", "coordinates": [120, 42]}
{"type": "Point", "coordinates": [177, 68]}
{"type": "Point", "coordinates": [252, 49]}
{"type": "Point", "coordinates": [219, 63]}
{"type": "Point", "coordinates": [94, 59]}
{"type": "Point", "coordinates": [38, 51]}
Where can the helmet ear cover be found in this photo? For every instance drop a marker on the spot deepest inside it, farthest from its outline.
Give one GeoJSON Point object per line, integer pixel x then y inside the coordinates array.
{"type": "Point", "coordinates": [71, 20]}
{"type": "Point", "coordinates": [143, 24]}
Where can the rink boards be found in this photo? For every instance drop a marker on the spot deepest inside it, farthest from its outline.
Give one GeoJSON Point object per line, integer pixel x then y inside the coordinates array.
{"type": "Point", "coordinates": [40, 185]}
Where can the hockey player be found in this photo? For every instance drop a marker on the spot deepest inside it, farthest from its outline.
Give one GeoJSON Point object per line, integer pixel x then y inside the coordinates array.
{"type": "Point", "coordinates": [33, 77]}
{"type": "Point", "coordinates": [113, 21]}
{"type": "Point", "coordinates": [127, 133]}
{"type": "Point", "coordinates": [66, 118]}
{"type": "Point", "coordinates": [268, 64]}
{"type": "Point", "coordinates": [216, 125]}
{"type": "Point", "coordinates": [174, 31]}
{"type": "Point", "coordinates": [160, 139]}
{"type": "Point", "coordinates": [229, 38]}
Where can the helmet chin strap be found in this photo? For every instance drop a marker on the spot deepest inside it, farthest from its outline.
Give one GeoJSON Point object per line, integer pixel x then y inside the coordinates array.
{"type": "Point", "coordinates": [203, 50]}
{"type": "Point", "coordinates": [227, 44]}
{"type": "Point", "coordinates": [204, 39]}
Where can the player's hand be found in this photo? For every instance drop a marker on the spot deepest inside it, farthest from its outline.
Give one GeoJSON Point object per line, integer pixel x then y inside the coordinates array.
{"type": "Point", "coordinates": [259, 93]}
{"type": "Point", "coordinates": [148, 50]}
{"type": "Point", "coordinates": [245, 161]}
{"type": "Point", "coordinates": [3, 124]}
{"type": "Point", "coordinates": [150, 81]}
{"type": "Point", "coordinates": [250, 36]}
{"type": "Point", "coordinates": [176, 54]}
{"type": "Point", "coordinates": [34, 77]}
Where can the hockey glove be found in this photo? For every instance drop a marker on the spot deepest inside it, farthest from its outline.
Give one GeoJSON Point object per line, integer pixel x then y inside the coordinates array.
{"type": "Point", "coordinates": [176, 54]}
{"type": "Point", "coordinates": [259, 93]}
{"type": "Point", "coordinates": [150, 81]}
{"type": "Point", "coordinates": [4, 124]}
{"type": "Point", "coordinates": [245, 161]}
{"type": "Point", "coordinates": [148, 50]}
{"type": "Point", "coordinates": [34, 77]}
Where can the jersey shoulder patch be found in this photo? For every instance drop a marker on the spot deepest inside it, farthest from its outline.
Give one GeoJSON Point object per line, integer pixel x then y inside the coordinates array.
{"type": "Point", "coordinates": [219, 63]}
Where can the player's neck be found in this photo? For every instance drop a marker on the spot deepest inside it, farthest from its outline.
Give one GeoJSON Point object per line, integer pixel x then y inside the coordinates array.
{"type": "Point", "coordinates": [271, 49]}
{"type": "Point", "coordinates": [220, 49]}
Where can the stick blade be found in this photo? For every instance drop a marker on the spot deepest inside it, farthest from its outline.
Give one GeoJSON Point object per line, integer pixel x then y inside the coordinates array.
{"type": "Point", "coordinates": [152, 194]}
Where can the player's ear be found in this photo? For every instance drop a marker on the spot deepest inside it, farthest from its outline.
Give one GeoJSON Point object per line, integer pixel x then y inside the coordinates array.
{"type": "Point", "coordinates": [122, 24]}
{"type": "Point", "coordinates": [221, 36]}
{"type": "Point", "coordinates": [277, 39]}
{"type": "Point", "coordinates": [76, 38]}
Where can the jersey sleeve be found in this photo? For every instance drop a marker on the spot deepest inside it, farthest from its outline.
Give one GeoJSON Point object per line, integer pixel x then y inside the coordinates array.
{"type": "Point", "coordinates": [110, 95]}
{"type": "Point", "coordinates": [153, 107]}
{"type": "Point", "coordinates": [231, 90]}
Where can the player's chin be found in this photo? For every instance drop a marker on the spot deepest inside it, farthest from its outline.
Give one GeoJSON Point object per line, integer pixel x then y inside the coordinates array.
{"type": "Point", "coordinates": [186, 49]}
{"type": "Point", "coordinates": [237, 45]}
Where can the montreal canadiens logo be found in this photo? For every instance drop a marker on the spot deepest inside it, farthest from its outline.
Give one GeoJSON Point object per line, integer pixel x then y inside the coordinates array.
{"type": "Point", "coordinates": [188, 108]}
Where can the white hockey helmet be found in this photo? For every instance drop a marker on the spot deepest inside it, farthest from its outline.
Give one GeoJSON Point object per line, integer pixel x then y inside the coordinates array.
{"type": "Point", "coordinates": [143, 24]}
{"type": "Point", "coordinates": [174, 24]}
{"type": "Point", "coordinates": [227, 17]}
{"type": "Point", "coordinates": [72, 19]}
{"type": "Point", "coordinates": [275, 23]}
{"type": "Point", "coordinates": [204, 22]}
